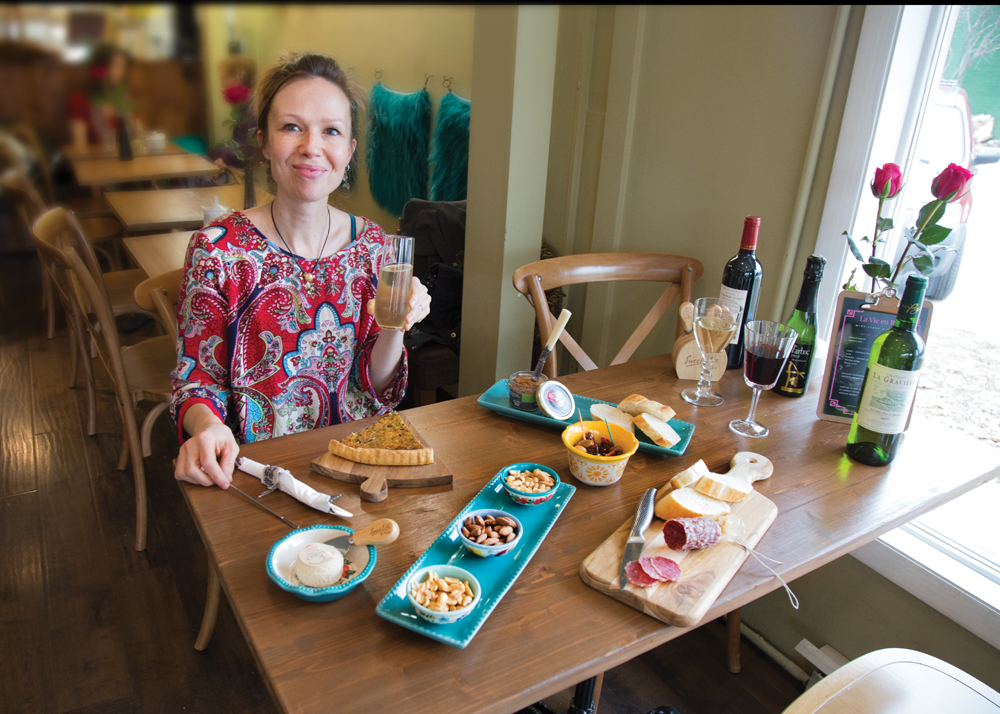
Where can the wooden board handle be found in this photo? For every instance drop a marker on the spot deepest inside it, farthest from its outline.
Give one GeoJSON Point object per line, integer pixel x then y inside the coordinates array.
{"type": "Point", "coordinates": [381, 532]}
{"type": "Point", "coordinates": [375, 489]}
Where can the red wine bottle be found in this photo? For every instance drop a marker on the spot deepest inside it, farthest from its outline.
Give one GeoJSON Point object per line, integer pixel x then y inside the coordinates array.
{"type": "Point", "coordinates": [795, 378]}
{"type": "Point", "coordinates": [741, 286]}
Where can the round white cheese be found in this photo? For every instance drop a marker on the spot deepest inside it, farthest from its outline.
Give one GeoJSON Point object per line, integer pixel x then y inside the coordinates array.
{"type": "Point", "coordinates": [319, 565]}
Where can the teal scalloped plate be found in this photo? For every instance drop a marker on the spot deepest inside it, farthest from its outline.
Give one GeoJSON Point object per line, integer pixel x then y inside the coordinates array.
{"type": "Point", "coordinates": [496, 398]}
{"type": "Point", "coordinates": [495, 575]}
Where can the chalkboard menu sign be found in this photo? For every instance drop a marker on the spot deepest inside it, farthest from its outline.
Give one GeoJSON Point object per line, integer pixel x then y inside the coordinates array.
{"type": "Point", "coordinates": [856, 325]}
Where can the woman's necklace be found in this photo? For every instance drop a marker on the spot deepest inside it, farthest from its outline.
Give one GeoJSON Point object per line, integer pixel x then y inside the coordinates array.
{"type": "Point", "coordinates": [307, 275]}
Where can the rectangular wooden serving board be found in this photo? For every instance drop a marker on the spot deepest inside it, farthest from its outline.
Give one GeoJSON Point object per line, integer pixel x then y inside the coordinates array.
{"type": "Point", "coordinates": [375, 480]}
{"type": "Point", "coordinates": [704, 573]}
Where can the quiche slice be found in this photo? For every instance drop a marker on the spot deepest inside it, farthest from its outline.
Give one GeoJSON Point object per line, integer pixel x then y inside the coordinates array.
{"type": "Point", "coordinates": [387, 442]}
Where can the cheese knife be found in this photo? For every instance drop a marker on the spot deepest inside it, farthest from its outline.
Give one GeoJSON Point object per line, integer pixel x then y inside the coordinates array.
{"type": "Point", "coordinates": [636, 538]}
{"type": "Point", "coordinates": [381, 532]}
{"type": "Point", "coordinates": [557, 330]}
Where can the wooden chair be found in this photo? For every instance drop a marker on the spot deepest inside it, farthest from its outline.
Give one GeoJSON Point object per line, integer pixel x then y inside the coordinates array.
{"type": "Point", "coordinates": [60, 227]}
{"type": "Point", "coordinates": [894, 681]}
{"type": "Point", "coordinates": [533, 279]}
{"type": "Point", "coordinates": [160, 293]}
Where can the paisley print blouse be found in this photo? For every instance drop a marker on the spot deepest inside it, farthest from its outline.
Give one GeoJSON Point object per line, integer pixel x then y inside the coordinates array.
{"type": "Point", "coordinates": [268, 350]}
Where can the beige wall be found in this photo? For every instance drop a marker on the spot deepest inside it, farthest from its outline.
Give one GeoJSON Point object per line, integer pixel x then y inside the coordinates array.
{"type": "Point", "coordinates": [405, 42]}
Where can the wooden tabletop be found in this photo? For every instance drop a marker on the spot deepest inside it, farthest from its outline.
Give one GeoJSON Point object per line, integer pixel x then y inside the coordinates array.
{"type": "Point", "coordinates": [98, 151]}
{"type": "Point", "coordinates": [96, 172]}
{"type": "Point", "coordinates": [175, 207]}
{"type": "Point", "coordinates": [160, 253]}
{"type": "Point", "coordinates": [551, 630]}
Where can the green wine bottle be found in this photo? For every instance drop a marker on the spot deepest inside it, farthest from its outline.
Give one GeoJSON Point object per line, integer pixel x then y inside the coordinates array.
{"type": "Point", "coordinates": [795, 377]}
{"type": "Point", "coordinates": [890, 383]}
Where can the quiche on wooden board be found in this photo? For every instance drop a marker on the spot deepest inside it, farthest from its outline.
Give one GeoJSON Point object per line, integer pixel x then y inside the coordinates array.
{"type": "Point", "coordinates": [387, 442]}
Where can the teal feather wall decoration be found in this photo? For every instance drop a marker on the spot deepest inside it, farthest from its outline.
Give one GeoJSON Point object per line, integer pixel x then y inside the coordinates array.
{"type": "Point", "coordinates": [398, 143]}
{"type": "Point", "coordinates": [450, 157]}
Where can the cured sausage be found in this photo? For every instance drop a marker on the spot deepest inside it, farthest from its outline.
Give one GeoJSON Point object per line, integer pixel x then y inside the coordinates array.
{"type": "Point", "coordinates": [638, 576]}
{"type": "Point", "coordinates": [691, 533]}
{"type": "Point", "coordinates": [663, 569]}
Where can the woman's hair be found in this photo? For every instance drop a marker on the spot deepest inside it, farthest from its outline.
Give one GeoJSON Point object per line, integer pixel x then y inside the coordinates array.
{"type": "Point", "coordinates": [293, 67]}
{"type": "Point", "coordinates": [100, 60]}
{"type": "Point", "coordinates": [241, 67]}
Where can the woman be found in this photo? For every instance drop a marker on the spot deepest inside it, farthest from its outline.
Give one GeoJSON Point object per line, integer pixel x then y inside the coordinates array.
{"type": "Point", "coordinates": [239, 74]}
{"type": "Point", "coordinates": [275, 313]}
{"type": "Point", "coordinates": [93, 114]}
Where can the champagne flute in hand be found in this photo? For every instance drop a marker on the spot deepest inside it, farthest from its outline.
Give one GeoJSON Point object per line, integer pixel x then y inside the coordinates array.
{"type": "Point", "coordinates": [767, 345]}
{"type": "Point", "coordinates": [714, 327]}
{"type": "Point", "coordinates": [394, 282]}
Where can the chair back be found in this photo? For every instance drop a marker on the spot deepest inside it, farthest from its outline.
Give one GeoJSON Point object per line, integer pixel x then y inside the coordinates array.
{"type": "Point", "coordinates": [24, 194]}
{"type": "Point", "coordinates": [29, 137]}
{"type": "Point", "coordinates": [59, 227]}
{"type": "Point", "coordinates": [55, 264]}
{"type": "Point", "coordinates": [533, 279]}
{"type": "Point", "coordinates": [161, 294]}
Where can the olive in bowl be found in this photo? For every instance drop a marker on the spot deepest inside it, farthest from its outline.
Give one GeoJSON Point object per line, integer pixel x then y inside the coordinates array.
{"type": "Point", "coordinates": [489, 532]}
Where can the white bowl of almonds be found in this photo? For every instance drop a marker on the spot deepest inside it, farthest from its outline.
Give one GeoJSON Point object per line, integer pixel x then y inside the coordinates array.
{"type": "Point", "coordinates": [443, 594]}
{"type": "Point", "coordinates": [529, 484]}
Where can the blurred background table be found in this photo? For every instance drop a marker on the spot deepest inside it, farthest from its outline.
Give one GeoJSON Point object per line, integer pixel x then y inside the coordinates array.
{"type": "Point", "coordinates": [157, 254]}
{"type": "Point", "coordinates": [96, 172]}
{"type": "Point", "coordinates": [94, 151]}
{"type": "Point", "coordinates": [174, 208]}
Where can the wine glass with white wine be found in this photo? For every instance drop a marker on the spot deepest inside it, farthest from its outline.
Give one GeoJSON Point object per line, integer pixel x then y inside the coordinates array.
{"type": "Point", "coordinates": [394, 281]}
{"type": "Point", "coordinates": [714, 326]}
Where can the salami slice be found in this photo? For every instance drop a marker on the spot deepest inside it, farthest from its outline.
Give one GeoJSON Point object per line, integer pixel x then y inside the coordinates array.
{"type": "Point", "coordinates": [691, 533]}
{"type": "Point", "coordinates": [663, 569]}
{"type": "Point", "coordinates": [638, 576]}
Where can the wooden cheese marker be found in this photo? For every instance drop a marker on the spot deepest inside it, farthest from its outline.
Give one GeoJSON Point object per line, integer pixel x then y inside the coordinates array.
{"type": "Point", "coordinates": [686, 355]}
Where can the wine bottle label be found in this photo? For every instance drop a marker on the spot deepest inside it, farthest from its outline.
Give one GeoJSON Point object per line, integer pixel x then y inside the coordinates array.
{"type": "Point", "coordinates": [886, 398]}
{"type": "Point", "coordinates": [796, 372]}
{"type": "Point", "coordinates": [733, 298]}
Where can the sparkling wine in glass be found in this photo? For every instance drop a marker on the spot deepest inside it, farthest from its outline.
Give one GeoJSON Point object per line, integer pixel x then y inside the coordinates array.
{"type": "Point", "coordinates": [393, 295]}
{"type": "Point", "coordinates": [714, 327]}
{"type": "Point", "coordinates": [767, 346]}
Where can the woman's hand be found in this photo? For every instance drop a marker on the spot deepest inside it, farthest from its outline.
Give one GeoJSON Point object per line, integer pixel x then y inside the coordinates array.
{"type": "Point", "coordinates": [209, 456]}
{"type": "Point", "coordinates": [419, 304]}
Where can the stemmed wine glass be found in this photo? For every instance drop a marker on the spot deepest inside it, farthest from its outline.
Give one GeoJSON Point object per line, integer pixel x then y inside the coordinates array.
{"type": "Point", "coordinates": [767, 345]}
{"type": "Point", "coordinates": [714, 326]}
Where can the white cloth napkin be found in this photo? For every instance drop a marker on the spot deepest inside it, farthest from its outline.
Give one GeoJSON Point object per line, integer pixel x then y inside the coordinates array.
{"type": "Point", "coordinates": [275, 477]}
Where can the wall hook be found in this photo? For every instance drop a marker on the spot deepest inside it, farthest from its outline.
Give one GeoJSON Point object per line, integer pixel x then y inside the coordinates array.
{"type": "Point", "coordinates": [447, 83]}
{"type": "Point", "coordinates": [427, 78]}
{"type": "Point", "coordinates": [378, 75]}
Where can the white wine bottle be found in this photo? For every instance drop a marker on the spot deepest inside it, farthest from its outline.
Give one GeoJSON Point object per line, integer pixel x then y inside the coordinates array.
{"type": "Point", "coordinates": [890, 383]}
{"type": "Point", "coordinates": [794, 378]}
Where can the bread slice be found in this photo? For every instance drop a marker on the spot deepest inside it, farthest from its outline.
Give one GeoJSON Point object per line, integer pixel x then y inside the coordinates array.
{"type": "Point", "coordinates": [636, 404]}
{"type": "Point", "coordinates": [657, 430]}
{"type": "Point", "coordinates": [688, 476]}
{"type": "Point", "coordinates": [614, 416]}
{"type": "Point", "coordinates": [723, 487]}
{"type": "Point", "coordinates": [688, 503]}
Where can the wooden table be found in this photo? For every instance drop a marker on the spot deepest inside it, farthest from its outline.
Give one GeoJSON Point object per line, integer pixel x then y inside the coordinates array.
{"type": "Point", "coordinates": [175, 207]}
{"type": "Point", "coordinates": [97, 172]}
{"type": "Point", "coordinates": [551, 631]}
{"type": "Point", "coordinates": [96, 151]}
{"type": "Point", "coordinates": [158, 253]}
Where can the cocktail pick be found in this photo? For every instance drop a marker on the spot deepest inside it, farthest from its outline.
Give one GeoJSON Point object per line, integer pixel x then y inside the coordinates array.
{"type": "Point", "coordinates": [583, 431]}
{"type": "Point", "coordinates": [610, 435]}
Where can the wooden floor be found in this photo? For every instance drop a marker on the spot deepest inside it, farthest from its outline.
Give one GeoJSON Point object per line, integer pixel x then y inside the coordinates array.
{"type": "Point", "coordinates": [88, 625]}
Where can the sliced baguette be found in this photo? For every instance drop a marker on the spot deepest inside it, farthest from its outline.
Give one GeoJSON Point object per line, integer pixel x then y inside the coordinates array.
{"type": "Point", "coordinates": [688, 503]}
{"type": "Point", "coordinates": [656, 429]}
{"type": "Point", "coordinates": [688, 476]}
{"type": "Point", "coordinates": [636, 404]}
{"type": "Point", "coordinates": [723, 487]}
{"type": "Point", "coordinates": [614, 416]}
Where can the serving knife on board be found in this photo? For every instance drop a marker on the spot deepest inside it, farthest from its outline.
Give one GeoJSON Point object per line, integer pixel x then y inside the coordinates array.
{"type": "Point", "coordinates": [636, 538]}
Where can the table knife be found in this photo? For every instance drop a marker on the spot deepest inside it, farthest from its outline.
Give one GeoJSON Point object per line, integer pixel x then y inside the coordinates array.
{"type": "Point", "coordinates": [636, 538]}
{"type": "Point", "coordinates": [257, 503]}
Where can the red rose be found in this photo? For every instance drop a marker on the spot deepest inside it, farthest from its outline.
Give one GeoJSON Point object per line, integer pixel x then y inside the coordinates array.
{"type": "Point", "coordinates": [237, 94]}
{"type": "Point", "coordinates": [98, 71]}
{"type": "Point", "coordinates": [888, 181]}
{"type": "Point", "coordinates": [952, 183]}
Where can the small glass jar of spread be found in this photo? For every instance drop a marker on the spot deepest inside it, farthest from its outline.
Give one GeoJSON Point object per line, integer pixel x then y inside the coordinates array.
{"type": "Point", "coordinates": [522, 390]}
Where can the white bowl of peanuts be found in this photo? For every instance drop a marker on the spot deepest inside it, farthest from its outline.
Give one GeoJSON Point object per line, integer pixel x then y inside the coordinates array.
{"type": "Point", "coordinates": [530, 484]}
{"type": "Point", "coordinates": [443, 594]}
{"type": "Point", "coordinates": [489, 532]}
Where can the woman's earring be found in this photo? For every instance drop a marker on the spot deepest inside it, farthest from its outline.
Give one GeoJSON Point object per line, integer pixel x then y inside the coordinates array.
{"type": "Point", "coordinates": [345, 184]}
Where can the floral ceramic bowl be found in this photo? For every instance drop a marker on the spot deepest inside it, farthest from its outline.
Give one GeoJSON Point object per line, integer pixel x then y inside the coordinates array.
{"type": "Point", "coordinates": [358, 563]}
{"type": "Point", "coordinates": [526, 498]}
{"type": "Point", "coordinates": [598, 470]}
{"type": "Point", "coordinates": [443, 571]}
{"type": "Point", "coordinates": [490, 551]}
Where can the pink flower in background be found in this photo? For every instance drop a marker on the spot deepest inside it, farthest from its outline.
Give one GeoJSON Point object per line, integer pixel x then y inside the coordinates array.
{"type": "Point", "coordinates": [951, 183]}
{"type": "Point", "coordinates": [237, 94]}
{"type": "Point", "coordinates": [98, 71]}
{"type": "Point", "coordinates": [888, 181]}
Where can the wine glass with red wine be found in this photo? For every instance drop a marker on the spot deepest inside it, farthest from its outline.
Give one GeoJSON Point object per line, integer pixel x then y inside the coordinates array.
{"type": "Point", "coordinates": [767, 346]}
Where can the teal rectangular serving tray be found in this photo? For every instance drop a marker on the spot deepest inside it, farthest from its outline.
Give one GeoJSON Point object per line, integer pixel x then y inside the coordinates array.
{"type": "Point", "coordinates": [496, 398]}
{"type": "Point", "coordinates": [495, 575]}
